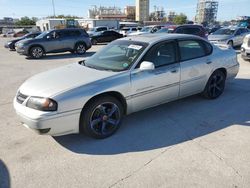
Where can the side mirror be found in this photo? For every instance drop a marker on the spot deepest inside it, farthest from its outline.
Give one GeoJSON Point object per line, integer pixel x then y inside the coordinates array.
{"type": "Point", "coordinates": [48, 37]}
{"type": "Point", "coordinates": [146, 66]}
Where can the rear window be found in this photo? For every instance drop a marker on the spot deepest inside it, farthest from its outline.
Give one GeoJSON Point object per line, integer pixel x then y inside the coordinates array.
{"type": "Point", "coordinates": [187, 30]}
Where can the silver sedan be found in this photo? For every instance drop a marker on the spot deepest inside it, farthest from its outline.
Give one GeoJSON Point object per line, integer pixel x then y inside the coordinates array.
{"type": "Point", "coordinates": [126, 76]}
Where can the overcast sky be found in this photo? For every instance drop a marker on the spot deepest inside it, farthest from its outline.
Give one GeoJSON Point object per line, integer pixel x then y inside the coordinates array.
{"type": "Point", "coordinates": [228, 9]}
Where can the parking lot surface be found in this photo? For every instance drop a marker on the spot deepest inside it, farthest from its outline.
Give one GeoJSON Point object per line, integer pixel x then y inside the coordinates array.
{"type": "Point", "coordinates": [193, 142]}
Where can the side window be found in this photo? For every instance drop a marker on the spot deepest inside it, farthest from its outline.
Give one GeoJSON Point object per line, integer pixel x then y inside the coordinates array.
{"type": "Point", "coordinates": [191, 49]}
{"type": "Point", "coordinates": [99, 29]}
{"type": "Point", "coordinates": [238, 32]}
{"type": "Point", "coordinates": [179, 30]}
{"type": "Point", "coordinates": [163, 54]}
{"type": "Point", "coordinates": [193, 31]}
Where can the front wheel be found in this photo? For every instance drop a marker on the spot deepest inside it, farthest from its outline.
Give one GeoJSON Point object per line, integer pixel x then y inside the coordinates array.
{"type": "Point", "coordinates": [215, 85]}
{"type": "Point", "coordinates": [36, 52]}
{"type": "Point", "coordinates": [102, 117]}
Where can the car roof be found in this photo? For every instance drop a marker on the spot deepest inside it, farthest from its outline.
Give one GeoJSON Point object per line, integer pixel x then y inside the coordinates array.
{"type": "Point", "coordinates": [190, 25]}
{"type": "Point", "coordinates": [157, 37]}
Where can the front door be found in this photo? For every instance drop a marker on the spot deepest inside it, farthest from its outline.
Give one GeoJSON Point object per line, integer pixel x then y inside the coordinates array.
{"type": "Point", "coordinates": [150, 88]}
{"type": "Point", "coordinates": [53, 42]}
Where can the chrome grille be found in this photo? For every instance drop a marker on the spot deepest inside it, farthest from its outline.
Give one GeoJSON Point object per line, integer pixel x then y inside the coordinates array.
{"type": "Point", "coordinates": [21, 97]}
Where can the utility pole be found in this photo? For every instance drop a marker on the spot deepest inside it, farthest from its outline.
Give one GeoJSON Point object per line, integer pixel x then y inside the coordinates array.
{"type": "Point", "coordinates": [53, 5]}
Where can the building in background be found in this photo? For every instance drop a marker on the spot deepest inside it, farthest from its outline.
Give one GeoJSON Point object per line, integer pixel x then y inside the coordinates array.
{"type": "Point", "coordinates": [206, 12]}
{"type": "Point", "coordinates": [106, 13]}
{"type": "Point", "coordinates": [142, 10]}
{"type": "Point", "coordinates": [51, 23]}
{"type": "Point", "coordinates": [130, 12]}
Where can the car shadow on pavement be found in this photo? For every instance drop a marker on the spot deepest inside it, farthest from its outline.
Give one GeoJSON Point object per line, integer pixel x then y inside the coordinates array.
{"type": "Point", "coordinates": [4, 175]}
{"type": "Point", "coordinates": [63, 56]}
{"type": "Point", "coordinates": [170, 124]}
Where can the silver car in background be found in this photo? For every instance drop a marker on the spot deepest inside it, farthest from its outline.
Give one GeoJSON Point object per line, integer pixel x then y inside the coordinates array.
{"type": "Point", "coordinates": [128, 75]}
{"type": "Point", "coordinates": [232, 36]}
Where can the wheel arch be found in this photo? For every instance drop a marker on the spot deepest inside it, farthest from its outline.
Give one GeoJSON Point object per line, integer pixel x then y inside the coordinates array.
{"type": "Point", "coordinates": [80, 42]}
{"type": "Point", "coordinates": [223, 70]}
{"type": "Point", "coordinates": [114, 94]}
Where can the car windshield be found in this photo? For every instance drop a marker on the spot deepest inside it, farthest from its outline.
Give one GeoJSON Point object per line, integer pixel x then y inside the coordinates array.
{"type": "Point", "coordinates": [146, 29]}
{"type": "Point", "coordinates": [42, 35]}
{"type": "Point", "coordinates": [117, 56]}
{"type": "Point", "coordinates": [224, 32]}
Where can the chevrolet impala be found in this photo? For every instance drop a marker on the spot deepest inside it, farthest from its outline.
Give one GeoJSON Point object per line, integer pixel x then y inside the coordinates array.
{"type": "Point", "coordinates": [128, 75]}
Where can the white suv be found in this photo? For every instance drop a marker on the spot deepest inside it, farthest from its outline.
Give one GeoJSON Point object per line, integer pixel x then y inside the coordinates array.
{"type": "Point", "coordinates": [97, 30]}
{"type": "Point", "coordinates": [245, 48]}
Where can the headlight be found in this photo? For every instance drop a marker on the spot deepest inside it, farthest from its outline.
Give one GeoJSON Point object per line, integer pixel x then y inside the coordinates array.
{"type": "Point", "coordinates": [20, 45]}
{"type": "Point", "coordinates": [42, 104]}
{"type": "Point", "coordinates": [9, 43]}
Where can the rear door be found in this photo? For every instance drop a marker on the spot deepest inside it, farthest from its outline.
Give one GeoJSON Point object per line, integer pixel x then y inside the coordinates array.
{"type": "Point", "coordinates": [195, 65]}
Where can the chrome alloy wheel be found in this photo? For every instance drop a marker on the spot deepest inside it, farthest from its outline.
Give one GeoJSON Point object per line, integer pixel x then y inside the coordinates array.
{"type": "Point", "coordinates": [80, 49]}
{"type": "Point", "coordinates": [37, 52]}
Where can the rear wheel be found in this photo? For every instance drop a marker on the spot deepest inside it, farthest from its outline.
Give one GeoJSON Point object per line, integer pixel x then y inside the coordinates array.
{"type": "Point", "coordinates": [94, 41]}
{"type": "Point", "coordinates": [36, 52]}
{"type": "Point", "coordinates": [101, 118]}
{"type": "Point", "coordinates": [215, 85]}
{"type": "Point", "coordinates": [80, 48]}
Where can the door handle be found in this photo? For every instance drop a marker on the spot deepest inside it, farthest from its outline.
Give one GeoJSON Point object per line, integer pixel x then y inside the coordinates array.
{"type": "Point", "coordinates": [160, 72]}
{"type": "Point", "coordinates": [209, 62]}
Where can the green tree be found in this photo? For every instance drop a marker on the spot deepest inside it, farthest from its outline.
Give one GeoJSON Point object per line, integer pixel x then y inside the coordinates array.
{"type": "Point", "coordinates": [180, 19]}
{"type": "Point", "coordinates": [26, 21]}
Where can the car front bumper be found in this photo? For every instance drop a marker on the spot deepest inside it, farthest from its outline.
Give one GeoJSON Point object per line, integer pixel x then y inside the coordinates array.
{"type": "Point", "coordinates": [6, 45]}
{"type": "Point", "coordinates": [48, 123]}
{"type": "Point", "coordinates": [22, 50]}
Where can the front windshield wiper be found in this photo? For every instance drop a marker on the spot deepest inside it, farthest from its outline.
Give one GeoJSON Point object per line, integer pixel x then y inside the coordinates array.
{"type": "Point", "coordinates": [97, 68]}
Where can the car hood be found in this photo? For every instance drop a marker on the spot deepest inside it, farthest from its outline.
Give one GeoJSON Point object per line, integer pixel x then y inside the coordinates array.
{"type": "Point", "coordinates": [219, 37]}
{"type": "Point", "coordinates": [29, 40]}
{"type": "Point", "coordinates": [17, 39]}
{"type": "Point", "coordinates": [56, 81]}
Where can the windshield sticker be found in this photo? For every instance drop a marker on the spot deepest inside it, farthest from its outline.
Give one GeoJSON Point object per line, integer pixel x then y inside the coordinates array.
{"type": "Point", "coordinates": [135, 47]}
{"type": "Point", "coordinates": [125, 65]}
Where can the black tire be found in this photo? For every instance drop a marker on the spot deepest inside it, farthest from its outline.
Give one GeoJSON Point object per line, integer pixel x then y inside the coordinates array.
{"type": "Point", "coordinates": [215, 85]}
{"type": "Point", "coordinates": [231, 43]}
{"type": "Point", "coordinates": [101, 117]}
{"type": "Point", "coordinates": [94, 42]}
{"type": "Point", "coordinates": [80, 48]}
{"type": "Point", "coordinates": [36, 52]}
